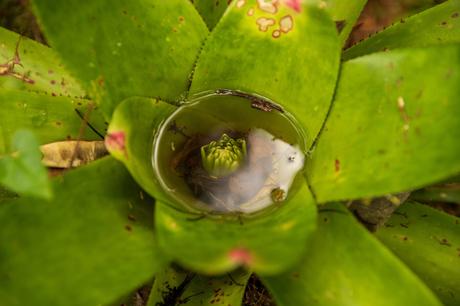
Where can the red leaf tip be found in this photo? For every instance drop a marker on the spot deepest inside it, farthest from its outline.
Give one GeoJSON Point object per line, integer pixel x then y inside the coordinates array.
{"type": "Point", "coordinates": [115, 141]}
{"type": "Point", "coordinates": [296, 5]}
{"type": "Point", "coordinates": [240, 256]}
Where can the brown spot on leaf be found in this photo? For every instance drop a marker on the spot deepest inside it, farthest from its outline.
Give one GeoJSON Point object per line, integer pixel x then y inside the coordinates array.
{"type": "Point", "coordinates": [100, 81]}
{"type": "Point", "coordinates": [270, 7]}
{"type": "Point", "coordinates": [286, 24]}
{"type": "Point", "coordinates": [340, 25]}
{"type": "Point", "coordinates": [265, 23]}
{"type": "Point", "coordinates": [296, 5]}
{"type": "Point", "coordinates": [443, 241]}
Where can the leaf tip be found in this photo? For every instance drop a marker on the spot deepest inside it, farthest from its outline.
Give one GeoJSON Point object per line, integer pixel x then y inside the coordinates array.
{"type": "Point", "coordinates": [116, 141]}
{"type": "Point", "coordinates": [240, 256]}
{"type": "Point", "coordinates": [295, 5]}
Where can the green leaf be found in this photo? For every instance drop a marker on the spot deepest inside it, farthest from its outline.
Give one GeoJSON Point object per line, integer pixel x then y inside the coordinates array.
{"type": "Point", "coordinates": [441, 193]}
{"type": "Point", "coordinates": [428, 241]}
{"type": "Point", "coordinates": [267, 244]}
{"type": "Point", "coordinates": [393, 126]}
{"type": "Point", "coordinates": [135, 48]}
{"type": "Point", "coordinates": [92, 244]}
{"type": "Point", "coordinates": [28, 65]}
{"type": "Point", "coordinates": [51, 118]}
{"type": "Point", "coordinates": [297, 70]}
{"type": "Point", "coordinates": [130, 139]}
{"type": "Point", "coordinates": [345, 14]}
{"type": "Point", "coordinates": [347, 266]}
{"type": "Point", "coordinates": [211, 11]}
{"type": "Point", "coordinates": [437, 25]}
{"type": "Point", "coordinates": [23, 172]}
{"type": "Point", "coordinates": [174, 286]}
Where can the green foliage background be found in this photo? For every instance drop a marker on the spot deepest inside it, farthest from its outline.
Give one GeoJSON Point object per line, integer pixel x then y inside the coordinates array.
{"type": "Point", "coordinates": [380, 117]}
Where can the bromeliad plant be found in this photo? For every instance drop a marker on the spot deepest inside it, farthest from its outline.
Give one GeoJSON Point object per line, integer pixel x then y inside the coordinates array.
{"type": "Point", "coordinates": [251, 130]}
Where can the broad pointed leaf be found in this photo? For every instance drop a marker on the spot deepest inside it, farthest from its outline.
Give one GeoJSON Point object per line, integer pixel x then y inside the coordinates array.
{"type": "Point", "coordinates": [211, 10]}
{"type": "Point", "coordinates": [175, 286]}
{"type": "Point", "coordinates": [290, 57]}
{"type": "Point", "coordinates": [437, 25]}
{"type": "Point", "coordinates": [22, 171]}
{"type": "Point", "coordinates": [345, 14]}
{"type": "Point", "coordinates": [267, 244]}
{"type": "Point", "coordinates": [428, 241]}
{"type": "Point", "coordinates": [121, 49]}
{"type": "Point", "coordinates": [347, 266]}
{"type": "Point", "coordinates": [130, 138]}
{"type": "Point", "coordinates": [51, 118]}
{"type": "Point", "coordinates": [393, 126]}
{"type": "Point", "coordinates": [89, 246]}
{"type": "Point", "coordinates": [28, 65]}
{"type": "Point", "coordinates": [441, 193]}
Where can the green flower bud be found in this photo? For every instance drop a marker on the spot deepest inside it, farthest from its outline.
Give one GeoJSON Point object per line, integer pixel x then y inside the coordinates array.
{"type": "Point", "coordinates": [223, 157]}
